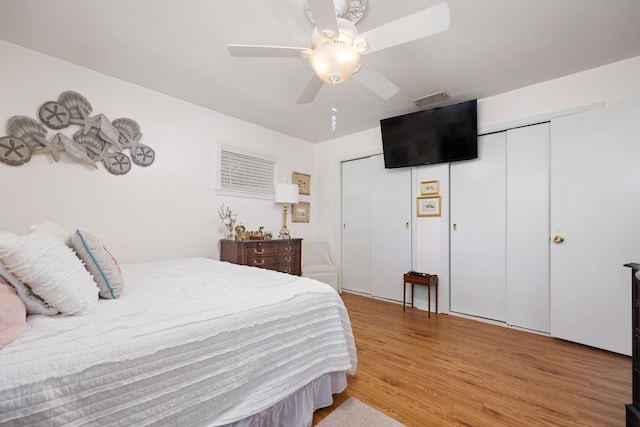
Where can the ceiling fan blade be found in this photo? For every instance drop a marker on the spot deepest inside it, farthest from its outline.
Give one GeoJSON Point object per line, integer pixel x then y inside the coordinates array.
{"type": "Point", "coordinates": [312, 89]}
{"type": "Point", "coordinates": [429, 21]}
{"type": "Point", "coordinates": [324, 16]}
{"type": "Point", "coordinates": [266, 51]}
{"type": "Point", "coordinates": [376, 82]}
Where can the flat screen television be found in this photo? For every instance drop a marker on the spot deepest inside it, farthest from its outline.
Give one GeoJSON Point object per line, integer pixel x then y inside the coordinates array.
{"type": "Point", "coordinates": [439, 135]}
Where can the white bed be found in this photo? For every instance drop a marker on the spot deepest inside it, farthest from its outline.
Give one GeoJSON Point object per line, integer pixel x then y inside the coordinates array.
{"type": "Point", "coordinates": [191, 342]}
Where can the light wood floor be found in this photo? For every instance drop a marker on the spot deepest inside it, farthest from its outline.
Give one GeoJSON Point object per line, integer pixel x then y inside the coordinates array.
{"type": "Point", "coordinates": [447, 370]}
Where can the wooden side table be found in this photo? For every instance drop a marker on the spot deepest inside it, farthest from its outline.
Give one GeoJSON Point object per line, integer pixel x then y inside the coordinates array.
{"type": "Point", "coordinates": [427, 281]}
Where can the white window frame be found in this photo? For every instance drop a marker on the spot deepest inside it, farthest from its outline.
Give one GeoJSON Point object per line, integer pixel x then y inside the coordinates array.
{"type": "Point", "coordinates": [239, 154]}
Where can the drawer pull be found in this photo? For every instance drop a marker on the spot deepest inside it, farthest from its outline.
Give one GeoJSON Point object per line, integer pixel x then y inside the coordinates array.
{"type": "Point", "coordinates": [287, 248]}
{"type": "Point", "coordinates": [256, 262]}
{"type": "Point", "coordinates": [258, 252]}
{"type": "Point", "coordinates": [287, 270]}
{"type": "Point", "coordinates": [288, 258]}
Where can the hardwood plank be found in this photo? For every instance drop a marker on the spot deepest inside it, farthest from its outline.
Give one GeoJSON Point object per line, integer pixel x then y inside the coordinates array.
{"type": "Point", "coordinates": [448, 370]}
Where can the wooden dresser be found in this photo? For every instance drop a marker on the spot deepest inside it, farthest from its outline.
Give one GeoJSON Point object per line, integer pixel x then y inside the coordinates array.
{"type": "Point", "coordinates": [633, 409]}
{"type": "Point", "coordinates": [279, 255]}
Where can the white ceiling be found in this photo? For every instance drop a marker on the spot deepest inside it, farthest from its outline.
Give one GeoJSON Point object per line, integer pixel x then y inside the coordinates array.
{"type": "Point", "coordinates": [178, 47]}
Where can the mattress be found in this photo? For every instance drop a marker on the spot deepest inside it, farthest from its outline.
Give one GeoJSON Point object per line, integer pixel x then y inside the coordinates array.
{"type": "Point", "coordinates": [190, 342]}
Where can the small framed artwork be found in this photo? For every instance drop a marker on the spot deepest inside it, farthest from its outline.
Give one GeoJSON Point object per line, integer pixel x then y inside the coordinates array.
{"type": "Point", "coordinates": [300, 212]}
{"type": "Point", "coordinates": [428, 206]}
{"type": "Point", "coordinates": [304, 182]}
{"type": "Point", "coordinates": [429, 187]}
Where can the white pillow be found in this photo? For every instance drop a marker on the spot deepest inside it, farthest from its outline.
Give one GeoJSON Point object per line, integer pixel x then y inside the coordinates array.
{"type": "Point", "coordinates": [52, 229]}
{"type": "Point", "coordinates": [34, 304]}
{"type": "Point", "coordinates": [43, 261]}
{"type": "Point", "coordinates": [101, 264]}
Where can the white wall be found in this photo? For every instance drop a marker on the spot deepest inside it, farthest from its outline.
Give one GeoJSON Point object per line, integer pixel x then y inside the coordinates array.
{"type": "Point", "coordinates": [169, 209]}
{"type": "Point", "coordinates": [166, 210]}
{"type": "Point", "coordinates": [613, 83]}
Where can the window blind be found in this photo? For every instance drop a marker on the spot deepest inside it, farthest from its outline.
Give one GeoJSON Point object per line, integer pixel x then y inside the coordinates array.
{"type": "Point", "coordinates": [246, 173]}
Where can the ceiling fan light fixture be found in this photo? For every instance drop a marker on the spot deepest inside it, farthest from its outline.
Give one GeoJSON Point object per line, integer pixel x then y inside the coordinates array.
{"type": "Point", "coordinates": [334, 62]}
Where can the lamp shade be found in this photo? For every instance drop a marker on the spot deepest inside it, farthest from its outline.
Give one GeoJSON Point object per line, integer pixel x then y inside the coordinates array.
{"type": "Point", "coordinates": [286, 193]}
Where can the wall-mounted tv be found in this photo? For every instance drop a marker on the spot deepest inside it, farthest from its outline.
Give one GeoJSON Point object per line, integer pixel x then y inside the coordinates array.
{"type": "Point", "coordinates": [439, 135]}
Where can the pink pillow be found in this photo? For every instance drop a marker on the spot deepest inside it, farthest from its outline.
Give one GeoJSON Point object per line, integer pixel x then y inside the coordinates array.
{"type": "Point", "coordinates": [13, 314]}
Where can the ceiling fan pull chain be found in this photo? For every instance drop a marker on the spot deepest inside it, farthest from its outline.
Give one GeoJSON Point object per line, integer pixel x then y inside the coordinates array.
{"type": "Point", "coordinates": [333, 120]}
{"type": "Point", "coordinates": [334, 110]}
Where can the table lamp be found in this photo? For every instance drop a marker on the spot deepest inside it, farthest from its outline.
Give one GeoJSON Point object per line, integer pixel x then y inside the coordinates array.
{"type": "Point", "coordinates": [285, 195]}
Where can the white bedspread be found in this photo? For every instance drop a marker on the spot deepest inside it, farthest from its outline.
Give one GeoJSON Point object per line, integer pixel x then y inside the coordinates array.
{"type": "Point", "coordinates": [190, 342]}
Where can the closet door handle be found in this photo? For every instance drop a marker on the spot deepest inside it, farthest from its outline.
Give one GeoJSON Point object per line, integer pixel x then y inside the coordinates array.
{"type": "Point", "coordinates": [558, 239]}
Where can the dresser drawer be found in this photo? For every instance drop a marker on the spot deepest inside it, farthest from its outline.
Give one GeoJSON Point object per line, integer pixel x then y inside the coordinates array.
{"type": "Point", "coordinates": [286, 268]}
{"type": "Point", "coordinates": [288, 248]}
{"type": "Point", "coordinates": [262, 261]}
{"type": "Point", "coordinates": [287, 258]}
{"type": "Point", "coordinates": [259, 250]}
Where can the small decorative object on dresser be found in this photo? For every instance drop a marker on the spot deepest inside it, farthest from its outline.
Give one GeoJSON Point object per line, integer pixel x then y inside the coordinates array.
{"type": "Point", "coordinates": [277, 255]}
{"type": "Point", "coordinates": [241, 232]}
{"type": "Point", "coordinates": [228, 218]}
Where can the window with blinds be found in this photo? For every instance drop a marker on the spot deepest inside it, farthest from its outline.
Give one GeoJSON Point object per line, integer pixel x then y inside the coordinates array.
{"type": "Point", "coordinates": [246, 173]}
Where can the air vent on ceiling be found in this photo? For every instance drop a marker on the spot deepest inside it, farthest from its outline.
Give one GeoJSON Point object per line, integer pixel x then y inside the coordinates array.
{"type": "Point", "coordinates": [430, 99]}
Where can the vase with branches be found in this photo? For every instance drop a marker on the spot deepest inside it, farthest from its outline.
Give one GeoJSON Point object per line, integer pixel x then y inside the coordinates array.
{"type": "Point", "coordinates": [228, 218]}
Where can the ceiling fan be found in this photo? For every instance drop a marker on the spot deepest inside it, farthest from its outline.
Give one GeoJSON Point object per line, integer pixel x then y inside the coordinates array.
{"type": "Point", "coordinates": [336, 45]}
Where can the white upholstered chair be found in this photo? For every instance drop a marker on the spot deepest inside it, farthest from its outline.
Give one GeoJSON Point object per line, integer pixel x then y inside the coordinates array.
{"type": "Point", "coordinates": [317, 263]}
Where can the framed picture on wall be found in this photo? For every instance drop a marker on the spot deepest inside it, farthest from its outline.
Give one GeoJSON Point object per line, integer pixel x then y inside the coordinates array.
{"type": "Point", "coordinates": [428, 206]}
{"type": "Point", "coordinates": [429, 188]}
{"type": "Point", "coordinates": [300, 212]}
{"type": "Point", "coordinates": [304, 182]}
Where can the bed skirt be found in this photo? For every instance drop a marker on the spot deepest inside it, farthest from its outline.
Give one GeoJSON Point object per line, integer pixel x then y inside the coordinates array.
{"type": "Point", "coordinates": [297, 410]}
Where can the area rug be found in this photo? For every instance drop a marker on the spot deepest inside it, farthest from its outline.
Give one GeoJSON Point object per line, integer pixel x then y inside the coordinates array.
{"type": "Point", "coordinates": [353, 413]}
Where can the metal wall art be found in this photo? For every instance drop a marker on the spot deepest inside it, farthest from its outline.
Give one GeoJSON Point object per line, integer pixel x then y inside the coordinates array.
{"type": "Point", "coordinates": [98, 140]}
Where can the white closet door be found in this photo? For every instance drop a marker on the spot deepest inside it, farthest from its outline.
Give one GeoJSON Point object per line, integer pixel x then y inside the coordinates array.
{"type": "Point", "coordinates": [478, 231]}
{"type": "Point", "coordinates": [390, 228]}
{"type": "Point", "coordinates": [527, 264]}
{"type": "Point", "coordinates": [595, 207]}
{"type": "Point", "coordinates": [356, 220]}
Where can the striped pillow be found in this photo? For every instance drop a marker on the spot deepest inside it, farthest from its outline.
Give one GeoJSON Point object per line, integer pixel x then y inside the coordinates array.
{"type": "Point", "coordinates": [100, 263]}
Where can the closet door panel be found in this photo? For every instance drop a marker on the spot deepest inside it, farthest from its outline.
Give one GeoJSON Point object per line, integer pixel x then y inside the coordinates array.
{"type": "Point", "coordinates": [527, 263]}
{"type": "Point", "coordinates": [356, 219]}
{"type": "Point", "coordinates": [478, 209]}
{"type": "Point", "coordinates": [595, 205]}
{"type": "Point", "coordinates": [390, 228]}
